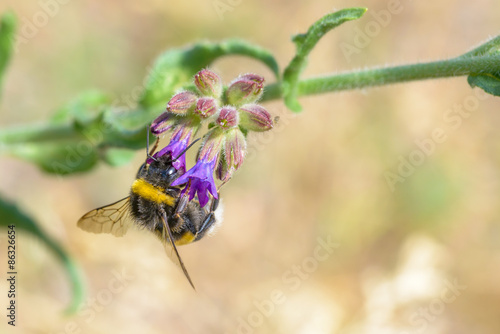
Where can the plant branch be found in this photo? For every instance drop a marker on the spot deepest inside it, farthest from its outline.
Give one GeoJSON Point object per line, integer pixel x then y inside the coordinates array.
{"type": "Point", "coordinates": [382, 76]}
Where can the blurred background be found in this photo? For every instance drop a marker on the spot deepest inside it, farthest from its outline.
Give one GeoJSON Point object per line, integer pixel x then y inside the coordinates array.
{"type": "Point", "coordinates": [350, 217]}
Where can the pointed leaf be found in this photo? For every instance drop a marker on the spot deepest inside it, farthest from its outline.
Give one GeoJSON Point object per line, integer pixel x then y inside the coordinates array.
{"type": "Point", "coordinates": [305, 43]}
{"type": "Point", "coordinates": [7, 30]}
{"type": "Point", "coordinates": [11, 215]}
{"type": "Point", "coordinates": [490, 83]}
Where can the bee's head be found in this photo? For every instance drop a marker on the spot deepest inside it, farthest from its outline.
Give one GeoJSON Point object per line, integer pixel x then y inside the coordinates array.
{"type": "Point", "coordinates": [163, 168]}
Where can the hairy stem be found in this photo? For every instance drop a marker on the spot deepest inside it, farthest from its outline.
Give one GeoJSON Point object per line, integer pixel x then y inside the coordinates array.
{"type": "Point", "coordinates": [389, 75]}
{"type": "Point", "coordinates": [343, 81]}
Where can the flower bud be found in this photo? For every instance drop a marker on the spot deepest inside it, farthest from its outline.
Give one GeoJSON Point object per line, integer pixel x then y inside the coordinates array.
{"type": "Point", "coordinates": [206, 107]}
{"type": "Point", "coordinates": [163, 123]}
{"type": "Point", "coordinates": [234, 148]}
{"type": "Point", "coordinates": [212, 145]}
{"type": "Point", "coordinates": [208, 83]}
{"type": "Point", "coordinates": [181, 102]}
{"type": "Point", "coordinates": [228, 117]}
{"type": "Point", "coordinates": [245, 89]}
{"type": "Point", "coordinates": [253, 77]}
{"type": "Point", "coordinates": [255, 118]}
{"type": "Point", "coordinates": [223, 172]}
{"type": "Point", "coordinates": [184, 130]}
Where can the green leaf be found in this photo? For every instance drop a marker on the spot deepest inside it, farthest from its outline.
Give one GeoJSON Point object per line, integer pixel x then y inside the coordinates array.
{"type": "Point", "coordinates": [11, 215]}
{"type": "Point", "coordinates": [490, 47]}
{"type": "Point", "coordinates": [84, 131]}
{"type": "Point", "coordinates": [305, 43]}
{"type": "Point", "coordinates": [79, 142]}
{"type": "Point", "coordinates": [490, 83]}
{"type": "Point", "coordinates": [61, 158]}
{"type": "Point", "coordinates": [176, 67]}
{"type": "Point", "coordinates": [7, 30]}
{"type": "Point", "coordinates": [489, 78]}
{"type": "Point", "coordinates": [84, 108]}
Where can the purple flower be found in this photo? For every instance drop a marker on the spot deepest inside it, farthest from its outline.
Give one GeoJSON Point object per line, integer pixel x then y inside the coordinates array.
{"type": "Point", "coordinates": [178, 144]}
{"type": "Point", "coordinates": [199, 181]}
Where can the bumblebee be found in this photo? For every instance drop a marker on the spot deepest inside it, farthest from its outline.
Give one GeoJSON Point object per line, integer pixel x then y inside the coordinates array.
{"type": "Point", "coordinates": [156, 205]}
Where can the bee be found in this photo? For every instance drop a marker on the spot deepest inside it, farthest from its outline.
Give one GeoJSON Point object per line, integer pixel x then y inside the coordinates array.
{"type": "Point", "coordinates": [156, 205]}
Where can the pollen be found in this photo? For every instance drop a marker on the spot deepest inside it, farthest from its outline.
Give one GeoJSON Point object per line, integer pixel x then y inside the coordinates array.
{"type": "Point", "coordinates": [151, 193]}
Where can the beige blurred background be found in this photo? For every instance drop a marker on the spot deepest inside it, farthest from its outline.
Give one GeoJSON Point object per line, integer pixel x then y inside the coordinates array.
{"type": "Point", "coordinates": [419, 256]}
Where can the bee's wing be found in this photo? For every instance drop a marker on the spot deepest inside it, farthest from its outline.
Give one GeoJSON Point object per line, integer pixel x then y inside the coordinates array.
{"type": "Point", "coordinates": [171, 249]}
{"type": "Point", "coordinates": [113, 218]}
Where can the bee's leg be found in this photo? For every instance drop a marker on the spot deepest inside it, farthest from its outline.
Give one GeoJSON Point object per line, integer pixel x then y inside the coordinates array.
{"type": "Point", "coordinates": [209, 219]}
{"type": "Point", "coordinates": [215, 203]}
{"type": "Point", "coordinates": [181, 205]}
{"type": "Point", "coordinates": [179, 209]}
{"type": "Point", "coordinates": [168, 238]}
{"type": "Point", "coordinates": [183, 229]}
{"type": "Point", "coordinates": [182, 202]}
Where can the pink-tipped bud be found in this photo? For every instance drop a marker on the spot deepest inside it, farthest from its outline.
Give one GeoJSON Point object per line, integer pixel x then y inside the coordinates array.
{"type": "Point", "coordinates": [255, 118]}
{"type": "Point", "coordinates": [253, 77]}
{"type": "Point", "coordinates": [228, 117]}
{"type": "Point", "coordinates": [206, 107]}
{"type": "Point", "coordinates": [208, 83]}
{"type": "Point", "coordinates": [182, 102]}
{"type": "Point", "coordinates": [212, 145]}
{"type": "Point", "coordinates": [163, 123]}
{"type": "Point", "coordinates": [245, 89]}
{"type": "Point", "coordinates": [235, 148]}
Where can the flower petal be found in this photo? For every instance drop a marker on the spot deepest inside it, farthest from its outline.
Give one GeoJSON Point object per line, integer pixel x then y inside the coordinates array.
{"type": "Point", "coordinates": [199, 180]}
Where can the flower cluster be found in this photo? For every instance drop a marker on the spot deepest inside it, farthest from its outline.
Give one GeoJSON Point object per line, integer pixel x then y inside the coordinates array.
{"type": "Point", "coordinates": [230, 114]}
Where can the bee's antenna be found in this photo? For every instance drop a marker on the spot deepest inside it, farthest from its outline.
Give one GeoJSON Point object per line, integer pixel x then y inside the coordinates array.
{"type": "Point", "coordinates": [187, 148]}
{"type": "Point", "coordinates": [149, 153]}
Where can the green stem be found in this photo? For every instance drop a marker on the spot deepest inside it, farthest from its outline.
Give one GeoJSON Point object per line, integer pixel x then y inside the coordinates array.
{"type": "Point", "coordinates": [389, 75]}
{"type": "Point", "coordinates": [343, 81]}
{"type": "Point", "coordinates": [38, 133]}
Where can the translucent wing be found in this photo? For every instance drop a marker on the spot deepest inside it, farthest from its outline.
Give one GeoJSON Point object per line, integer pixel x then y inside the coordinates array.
{"type": "Point", "coordinates": [113, 218]}
{"type": "Point", "coordinates": [171, 249]}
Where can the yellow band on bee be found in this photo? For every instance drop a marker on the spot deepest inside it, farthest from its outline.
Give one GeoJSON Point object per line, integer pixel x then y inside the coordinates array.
{"type": "Point", "coordinates": [147, 191]}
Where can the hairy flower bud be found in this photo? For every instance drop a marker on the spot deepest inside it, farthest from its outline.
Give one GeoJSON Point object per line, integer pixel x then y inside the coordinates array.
{"type": "Point", "coordinates": [181, 102]}
{"type": "Point", "coordinates": [253, 77]}
{"type": "Point", "coordinates": [206, 107]}
{"type": "Point", "coordinates": [223, 172]}
{"type": "Point", "coordinates": [163, 123]}
{"type": "Point", "coordinates": [208, 83]}
{"type": "Point", "coordinates": [255, 118]}
{"type": "Point", "coordinates": [234, 148]}
{"type": "Point", "coordinates": [228, 117]}
{"type": "Point", "coordinates": [245, 89]}
{"type": "Point", "coordinates": [212, 145]}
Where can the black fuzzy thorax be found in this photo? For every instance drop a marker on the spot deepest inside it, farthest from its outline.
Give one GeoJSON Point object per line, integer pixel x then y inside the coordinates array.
{"type": "Point", "coordinates": [148, 214]}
